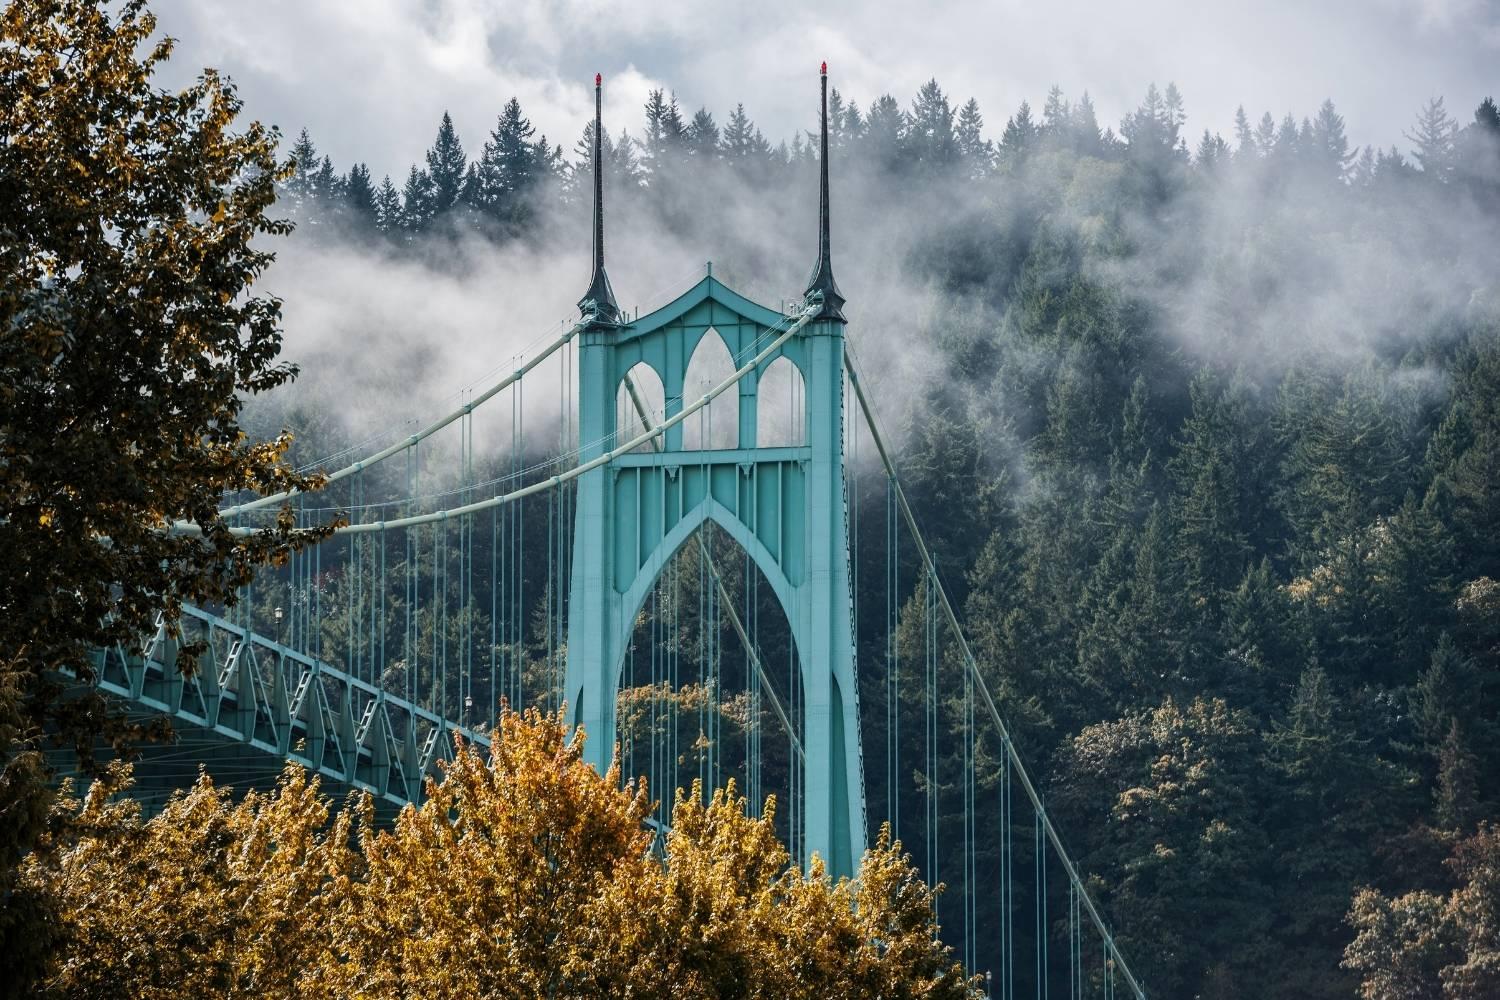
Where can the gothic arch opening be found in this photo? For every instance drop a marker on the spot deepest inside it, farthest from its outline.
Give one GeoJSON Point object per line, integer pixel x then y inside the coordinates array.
{"type": "Point", "coordinates": [650, 394]}
{"type": "Point", "coordinates": [716, 426]}
{"type": "Point", "coordinates": [781, 406]}
{"type": "Point", "coordinates": [696, 702]}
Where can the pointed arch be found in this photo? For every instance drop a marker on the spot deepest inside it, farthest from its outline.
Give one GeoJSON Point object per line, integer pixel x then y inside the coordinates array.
{"type": "Point", "coordinates": [781, 406]}
{"type": "Point", "coordinates": [652, 394]}
{"type": "Point", "coordinates": [716, 426]}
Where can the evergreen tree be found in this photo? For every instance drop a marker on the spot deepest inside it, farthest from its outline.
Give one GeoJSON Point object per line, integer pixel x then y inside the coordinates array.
{"type": "Point", "coordinates": [1212, 151]}
{"type": "Point", "coordinates": [1327, 780]}
{"type": "Point", "coordinates": [741, 140]}
{"type": "Point", "coordinates": [447, 167]}
{"type": "Point", "coordinates": [1433, 137]}
{"type": "Point", "coordinates": [388, 211]}
{"type": "Point", "coordinates": [305, 162]}
{"type": "Point", "coordinates": [1019, 137]}
{"type": "Point", "coordinates": [1477, 155]}
{"type": "Point", "coordinates": [1210, 497]}
{"type": "Point", "coordinates": [930, 135]}
{"type": "Point", "coordinates": [703, 135]}
{"type": "Point", "coordinates": [359, 195]}
{"type": "Point", "coordinates": [976, 151]}
{"type": "Point", "coordinates": [1086, 127]}
{"type": "Point", "coordinates": [1244, 135]}
{"type": "Point", "coordinates": [885, 133]}
{"type": "Point", "coordinates": [1458, 782]}
{"type": "Point", "coordinates": [417, 201]}
{"type": "Point", "coordinates": [1057, 116]}
{"type": "Point", "coordinates": [1287, 143]}
{"type": "Point", "coordinates": [510, 168]}
{"type": "Point", "coordinates": [1329, 148]}
{"type": "Point", "coordinates": [1265, 134]}
{"type": "Point", "coordinates": [327, 185]}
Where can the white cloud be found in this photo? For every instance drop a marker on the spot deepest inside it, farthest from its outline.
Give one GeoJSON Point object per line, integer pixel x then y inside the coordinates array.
{"type": "Point", "coordinates": [371, 79]}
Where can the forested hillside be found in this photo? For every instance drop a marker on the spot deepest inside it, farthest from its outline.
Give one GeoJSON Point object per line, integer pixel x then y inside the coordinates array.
{"type": "Point", "coordinates": [1206, 436]}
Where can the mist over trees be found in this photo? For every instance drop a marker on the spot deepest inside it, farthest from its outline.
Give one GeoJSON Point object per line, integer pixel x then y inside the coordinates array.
{"type": "Point", "coordinates": [1222, 415]}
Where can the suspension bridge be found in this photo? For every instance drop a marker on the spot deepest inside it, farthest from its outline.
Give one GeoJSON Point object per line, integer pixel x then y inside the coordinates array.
{"type": "Point", "coordinates": [691, 569]}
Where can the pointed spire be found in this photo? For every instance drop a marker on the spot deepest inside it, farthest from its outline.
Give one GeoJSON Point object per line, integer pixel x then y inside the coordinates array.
{"type": "Point", "coordinates": [598, 303]}
{"type": "Point", "coordinates": [822, 277]}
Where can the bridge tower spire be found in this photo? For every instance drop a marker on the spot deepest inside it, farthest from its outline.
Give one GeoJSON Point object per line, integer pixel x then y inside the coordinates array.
{"type": "Point", "coordinates": [783, 505]}
{"type": "Point", "coordinates": [598, 302]}
{"type": "Point", "coordinates": [821, 282]}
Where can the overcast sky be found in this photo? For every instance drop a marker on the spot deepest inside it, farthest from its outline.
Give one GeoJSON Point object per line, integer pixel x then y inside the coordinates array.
{"type": "Point", "coordinates": [370, 78]}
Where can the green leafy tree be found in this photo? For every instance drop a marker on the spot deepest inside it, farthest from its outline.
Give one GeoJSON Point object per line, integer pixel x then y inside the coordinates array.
{"type": "Point", "coordinates": [135, 222]}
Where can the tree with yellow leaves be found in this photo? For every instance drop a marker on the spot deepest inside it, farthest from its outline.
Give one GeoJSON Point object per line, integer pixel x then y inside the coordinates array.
{"type": "Point", "coordinates": [524, 875]}
{"type": "Point", "coordinates": [209, 897]}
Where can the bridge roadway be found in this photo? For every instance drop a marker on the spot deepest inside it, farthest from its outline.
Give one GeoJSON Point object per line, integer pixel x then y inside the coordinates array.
{"type": "Point", "coordinates": [252, 691]}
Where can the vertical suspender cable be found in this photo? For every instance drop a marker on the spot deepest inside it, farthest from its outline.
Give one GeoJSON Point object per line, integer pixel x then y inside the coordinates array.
{"type": "Point", "coordinates": [981, 686]}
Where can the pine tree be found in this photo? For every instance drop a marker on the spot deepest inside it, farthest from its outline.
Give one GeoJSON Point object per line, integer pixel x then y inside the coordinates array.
{"type": "Point", "coordinates": [703, 136]}
{"type": "Point", "coordinates": [417, 201]}
{"type": "Point", "coordinates": [327, 185]}
{"type": "Point", "coordinates": [1287, 143]}
{"type": "Point", "coordinates": [1209, 496]}
{"type": "Point", "coordinates": [930, 134]}
{"type": "Point", "coordinates": [509, 169]}
{"type": "Point", "coordinates": [305, 163]}
{"type": "Point", "coordinates": [359, 195]}
{"type": "Point", "coordinates": [446, 169]}
{"type": "Point", "coordinates": [1212, 151]}
{"type": "Point", "coordinates": [1433, 136]}
{"type": "Point", "coordinates": [656, 112]}
{"type": "Point", "coordinates": [1477, 155]}
{"type": "Point", "coordinates": [1057, 116]}
{"type": "Point", "coordinates": [673, 126]}
{"type": "Point", "coordinates": [739, 135]}
{"type": "Point", "coordinates": [1019, 138]}
{"type": "Point", "coordinates": [1086, 127]}
{"type": "Point", "coordinates": [388, 213]}
{"type": "Point", "coordinates": [1244, 135]}
{"type": "Point", "coordinates": [977, 152]}
{"type": "Point", "coordinates": [885, 133]}
{"type": "Point", "coordinates": [1154, 130]}
{"type": "Point", "coordinates": [1458, 783]}
{"type": "Point", "coordinates": [838, 112]}
{"type": "Point", "coordinates": [1265, 134]}
{"type": "Point", "coordinates": [1329, 148]}
{"type": "Point", "coordinates": [1414, 566]}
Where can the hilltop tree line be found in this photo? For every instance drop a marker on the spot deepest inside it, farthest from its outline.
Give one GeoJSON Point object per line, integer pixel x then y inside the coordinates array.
{"type": "Point", "coordinates": [503, 190]}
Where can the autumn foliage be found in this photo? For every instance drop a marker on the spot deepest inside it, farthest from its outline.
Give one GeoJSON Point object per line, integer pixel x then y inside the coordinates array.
{"type": "Point", "coordinates": [523, 875]}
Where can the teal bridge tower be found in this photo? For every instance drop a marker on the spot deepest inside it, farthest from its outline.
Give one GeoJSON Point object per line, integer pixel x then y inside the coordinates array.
{"type": "Point", "coordinates": [784, 505]}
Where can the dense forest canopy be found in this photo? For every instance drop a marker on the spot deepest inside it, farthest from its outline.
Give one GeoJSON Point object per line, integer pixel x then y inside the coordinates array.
{"type": "Point", "coordinates": [1205, 432]}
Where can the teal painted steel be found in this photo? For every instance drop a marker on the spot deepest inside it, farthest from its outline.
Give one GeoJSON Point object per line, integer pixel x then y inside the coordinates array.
{"type": "Point", "coordinates": [274, 699]}
{"type": "Point", "coordinates": [784, 506]}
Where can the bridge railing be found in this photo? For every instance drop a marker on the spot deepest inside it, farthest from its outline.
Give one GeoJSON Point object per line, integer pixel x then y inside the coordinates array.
{"type": "Point", "coordinates": [251, 689]}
